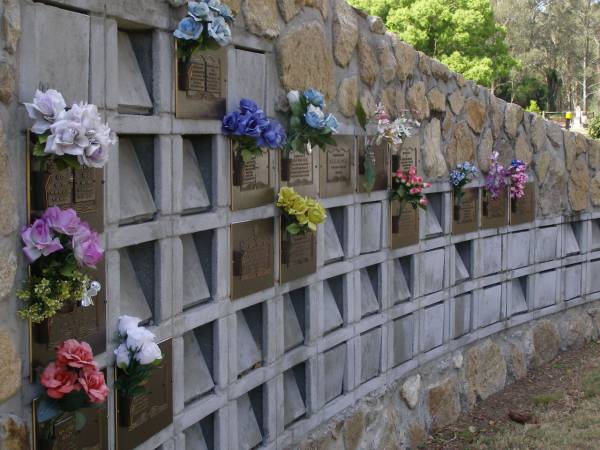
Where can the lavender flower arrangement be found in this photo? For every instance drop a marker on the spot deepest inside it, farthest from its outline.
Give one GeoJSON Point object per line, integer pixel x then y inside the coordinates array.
{"type": "Point", "coordinates": [495, 181]}
{"type": "Point", "coordinates": [58, 245]}
{"type": "Point", "coordinates": [205, 26]}
{"type": "Point", "coordinates": [309, 125]}
{"type": "Point", "coordinates": [252, 131]}
{"type": "Point", "coordinates": [460, 177]}
{"type": "Point", "coordinates": [517, 174]}
{"type": "Point", "coordinates": [70, 137]}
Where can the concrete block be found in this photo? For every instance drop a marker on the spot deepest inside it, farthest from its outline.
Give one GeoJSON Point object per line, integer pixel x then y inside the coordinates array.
{"type": "Point", "coordinates": [595, 224]}
{"type": "Point", "coordinates": [246, 78]}
{"type": "Point", "coordinates": [432, 271]}
{"type": "Point", "coordinates": [133, 94]}
{"type": "Point", "coordinates": [334, 362]}
{"type": "Point", "coordinates": [194, 438]}
{"type": "Point", "coordinates": [195, 287]}
{"type": "Point", "coordinates": [137, 203]}
{"type": "Point", "coordinates": [332, 315]}
{"type": "Point", "coordinates": [370, 231]}
{"type": "Point", "coordinates": [194, 196]}
{"type": "Point", "coordinates": [572, 281]}
{"type": "Point", "coordinates": [333, 247]}
{"type": "Point", "coordinates": [461, 272]}
{"type": "Point", "coordinates": [546, 244]}
{"type": "Point", "coordinates": [518, 250]}
{"type": "Point", "coordinates": [133, 300]}
{"type": "Point", "coordinates": [491, 255]}
{"type": "Point", "coordinates": [294, 406]}
{"type": "Point", "coordinates": [368, 296]}
{"type": "Point", "coordinates": [249, 434]}
{"type": "Point", "coordinates": [293, 334]}
{"type": "Point", "coordinates": [432, 327]}
{"type": "Point", "coordinates": [370, 343]}
{"type": "Point", "coordinates": [570, 244]}
{"type": "Point", "coordinates": [434, 225]}
{"type": "Point", "coordinates": [594, 275]}
{"type": "Point", "coordinates": [545, 289]}
{"type": "Point", "coordinates": [518, 295]}
{"type": "Point", "coordinates": [461, 315]}
{"type": "Point", "coordinates": [248, 350]}
{"type": "Point", "coordinates": [403, 339]}
{"type": "Point", "coordinates": [197, 377]}
{"type": "Point", "coordinates": [402, 279]}
{"type": "Point", "coordinates": [490, 305]}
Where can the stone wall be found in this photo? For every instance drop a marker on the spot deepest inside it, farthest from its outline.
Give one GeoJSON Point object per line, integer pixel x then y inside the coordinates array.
{"type": "Point", "coordinates": [379, 345]}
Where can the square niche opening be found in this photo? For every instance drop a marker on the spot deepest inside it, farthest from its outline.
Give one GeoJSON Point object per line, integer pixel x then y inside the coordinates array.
{"type": "Point", "coordinates": [294, 394]}
{"type": "Point", "coordinates": [135, 72]}
{"type": "Point", "coordinates": [572, 238]}
{"type": "Point", "coordinates": [250, 419]}
{"type": "Point", "coordinates": [403, 279]}
{"type": "Point", "coordinates": [490, 305]}
{"type": "Point", "coordinates": [434, 215]}
{"type": "Point", "coordinates": [595, 223]}
{"type": "Point", "coordinates": [201, 435]}
{"type": "Point", "coordinates": [138, 273]}
{"type": "Point", "coordinates": [370, 343]}
{"type": "Point", "coordinates": [197, 176]}
{"type": "Point", "coordinates": [370, 230]}
{"type": "Point", "coordinates": [198, 369]}
{"type": "Point", "coordinates": [463, 257]}
{"type": "Point", "coordinates": [461, 308]}
{"type": "Point", "coordinates": [403, 332]}
{"type": "Point", "coordinates": [572, 281]}
{"type": "Point", "coordinates": [333, 304]}
{"type": "Point", "coordinates": [137, 179]}
{"type": "Point", "coordinates": [369, 290]}
{"type": "Point", "coordinates": [519, 289]}
{"type": "Point", "coordinates": [432, 327]}
{"type": "Point", "coordinates": [197, 250]}
{"type": "Point", "coordinates": [334, 235]}
{"type": "Point", "coordinates": [294, 315]}
{"type": "Point", "coordinates": [250, 339]}
{"type": "Point", "coordinates": [334, 362]}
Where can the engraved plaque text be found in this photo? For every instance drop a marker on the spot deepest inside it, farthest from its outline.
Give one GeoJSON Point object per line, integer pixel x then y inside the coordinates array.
{"type": "Point", "coordinates": [494, 213]}
{"type": "Point", "coordinates": [336, 167]}
{"type": "Point", "coordinates": [298, 255]}
{"type": "Point", "coordinates": [465, 215]}
{"type": "Point", "coordinates": [404, 226]}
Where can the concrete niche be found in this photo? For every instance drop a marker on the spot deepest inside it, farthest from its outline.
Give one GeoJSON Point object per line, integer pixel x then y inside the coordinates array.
{"type": "Point", "coordinates": [334, 365]}
{"type": "Point", "coordinates": [518, 250]}
{"type": "Point", "coordinates": [595, 234]}
{"type": "Point", "coordinates": [249, 339]}
{"type": "Point", "coordinates": [491, 255]}
{"type": "Point", "coordinates": [546, 244]}
{"type": "Point", "coordinates": [370, 234]}
{"type": "Point", "coordinates": [434, 215]}
{"type": "Point", "coordinates": [490, 305]}
{"type": "Point", "coordinates": [333, 304]}
{"type": "Point", "coordinates": [135, 72]}
{"type": "Point", "coordinates": [518, 289]}
{"type": "Point", "coordinates": [462, 261]}
{"type": "Point", "coordinates": [594, 276]}
{"type": "Point", "coordinates": [248, 78]}
{"type": "Point", "coordinates": [334, 234]}
{"type": "Point", "coordinates": [294, 394]}
{"type": "Point", "coordinates": [137, 273]}
{"type": "Point", "coordinates": [196, 251]}
{"type": "Point", "coordinates": [294, 318]}
{"type": "Point", "coordinates": [572, 281]}
{"type": "Point", "coordinates": [198, 362]}
{"type": "Point", "coordinates": [196, 189]}
{"type": "Point", "coordinates": [571, 238]}
{"type": "Point", "coordinates": [369, 282]}
{"type": "Point", "coordinates": [370, 345]}
{"type": "Point", "coordinates": [403, 332]}
{"type": "Point", "coordinates": [432, 327]}
{"type": "Point", "coordinates": [250, 419]}
{"type": "Point", "coordinates": [545, 289]}
{"type": "Point", "coordinates": [200, 436]}
{"type": "Point", "coordinates": [403, 279]}
{"type": "Point", "coordinates": [461, 315]}
{"type": "Point", "coordinates": [432, 271]}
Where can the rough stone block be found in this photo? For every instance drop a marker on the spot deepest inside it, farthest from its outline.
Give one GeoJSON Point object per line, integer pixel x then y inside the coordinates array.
{"type": "Point", "coordinates": [10, 370]}
{"type": "Point", "coordinates": [333, 247]}
{"type": "Point", "coordinates": [490, 305]}
{"type": "Point", "coordinates": [370, 234]}
{"type": "Point", "coordinates": [432, 271]}
{"type": "Point", "coordinates": [197, 377]}
{"type": "Point", "coordinates": [572, 279]}
{"type": "Point", "coordinates": [491, 255]}
{"type": "Point", "coordinates": [249, 434]}
{"type": "Point", "coordinates": [194, 195]}
{"type": "Point", "coordinates": [334, 361]}
{"type": "Point", "coordinates": [293, 335]}
{"type": "Point", "coordinates": [485, 369]}
{"type": "Point", "coordinates": [443, 403]}
{"type": "Point", "coordinates": [546, 244]}
{"type": "Point", "coordinates": [403, 339]}
{"type": "Point", "coordinates": [368, 295]}
{"type": "Point", "coordinates": [13, 433]}
{"type": "Point", "coordinates": [293, 404]}
{"type": "Point", "coordinates": [133, 299]}
{"type": "Point", "coordinates": [133, 94]}
{"type": "Point", "coordinates": [332, 315]}
{"type": "Point", "coordinates": [432, 327]}
{"type": "Point", "coordinates": [137, 203]}
{"type": "Point", "coordinates": [195, 287]}
{"type": "Point", "coordinates": [545, 289]}
{"type": "Point", "coordinates": [518, 295]}
{"type": "Point", "coordinates": [518, 250]}
{"type": "Point", "coordinates": [370, 343]}
{"type": "Point", "coordinates": [249, 350]}
{"type": "Point", "coordinates": [461, 314]}
{"type": "Point", "coordinates": [402, 279]}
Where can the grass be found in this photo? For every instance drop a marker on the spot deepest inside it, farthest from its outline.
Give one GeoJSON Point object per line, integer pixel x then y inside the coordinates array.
{"type": "Point", "coordinates": [543, 400]}
{"type": "Point", "coordinates": [591, 383]}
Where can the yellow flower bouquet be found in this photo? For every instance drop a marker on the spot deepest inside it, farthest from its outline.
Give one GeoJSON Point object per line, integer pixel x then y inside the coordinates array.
{"type": "Point", "coordinates": [301, 214]}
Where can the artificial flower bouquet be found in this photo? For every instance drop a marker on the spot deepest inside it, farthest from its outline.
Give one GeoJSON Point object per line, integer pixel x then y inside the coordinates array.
{"type": "Point", "coordinates": [387, 131]}
{"type": "Point", "coordinates": [517, 177]}
{"type": "Point", "coordinates": [407, 189]}
{"type": "Point", "coordinates": [252, 131]}
{"type": "Point", "coordinates": [301, 215]}
{"type": "Point", "coordinates": [58, 246]}
{"type": "Point", "coordinates": [459, 178]}
{"type": "Point", "coordinates": [72, 382]}
{"type": "Point", "coordinates": [206, 26]}
{"type": "Point", "coordinates": [309, 125]}
{"type": "Point", "coordinates": [69, 137]}
{"type": "Point", "coordinates": [495, 182]}
{"type": "Point", "coordinates": [137, 357]}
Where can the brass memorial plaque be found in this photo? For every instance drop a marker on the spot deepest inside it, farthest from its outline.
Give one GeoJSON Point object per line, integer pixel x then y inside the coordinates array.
{"type": "Point", "coordinates": [251, 183]}
{"type": "Point", "coordinates": [252, 254]}
{"type": "Point", "coordinates": [299, 171]}
{"type": "Point", "coordinates": [298, 255]}
{"type": "Point", "coordinates": [382, 166]}
{"type": "Point", "coordinates": [201, 85]}
{"type": "Point", "coordinates": [494, 213]}
{"type": "Point", "coordinates": [522, 210]}
{"type": "Point", "coordinates": [80, 189]}
{"type": "Point", "coordinates": [335, 167]}
{"type": "Point", "coordinates": [404, 225]}
{"type": "Point", "coordinates": [406, 156]}
{"type": "Point", "coordinates": [93, 435]}
{"type": "Point", "coordinates": [141, 417]}
{"type": "Point", "coordinates": [465, 217]}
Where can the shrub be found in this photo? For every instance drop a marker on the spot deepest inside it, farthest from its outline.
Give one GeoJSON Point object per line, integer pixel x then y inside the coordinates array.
{"type": "Point", "coordinates": [533, 107]}
{"type": "Point", "coordinates": [594, 127]}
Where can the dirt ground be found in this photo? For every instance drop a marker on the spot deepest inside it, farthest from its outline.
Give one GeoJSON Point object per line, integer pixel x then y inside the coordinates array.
{"type": "Point", "coordinates": [559, 403]}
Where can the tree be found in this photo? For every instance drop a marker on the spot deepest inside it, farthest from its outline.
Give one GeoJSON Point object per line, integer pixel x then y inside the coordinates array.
{"type": "Point", "coordinates": [461, 33]}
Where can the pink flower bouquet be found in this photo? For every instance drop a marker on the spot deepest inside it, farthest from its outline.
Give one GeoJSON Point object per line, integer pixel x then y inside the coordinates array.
{"type": "Point", "coordinates": [408, 189]}
{"type": "Point", "coordinates": [58, 245]}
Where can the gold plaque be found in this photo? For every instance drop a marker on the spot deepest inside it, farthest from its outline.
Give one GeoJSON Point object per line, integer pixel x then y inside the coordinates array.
{"type": "Point", "coordinates": [139, 418]}
{"type": "Point", "coordinates": [522, 210]}
{"type": "Point", "coordinates": [494, 213]}
{"type": "Point", "coordinates": [80, 189]}
{"type": "Point", "coordinates": [251, 183]}
{"type": "Point", "coordinates": [93, 435]}
{"type": "Point", "coordinates": [252, 253]}
{"type": "Point", "coordinates": [201, 85]}
{"type": "Point", "coordinates": [382, 165]}
{"type": "Point", "coordinates": [465, 216]}
{"type": "Point", "coordinates": [298, 255]}
{"type": "Point", "coordinates": [336, 167]}
{"type": "Point", "coordinates": [405, 157]}
{"type": "Point", "coordinates": [404, 225]}
{"type": "Point", "coordinates": [298, 170]}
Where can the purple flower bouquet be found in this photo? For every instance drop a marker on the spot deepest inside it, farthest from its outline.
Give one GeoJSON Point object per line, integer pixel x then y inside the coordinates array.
{"type": "Point", "coordinates": [58, 245]}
